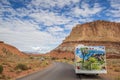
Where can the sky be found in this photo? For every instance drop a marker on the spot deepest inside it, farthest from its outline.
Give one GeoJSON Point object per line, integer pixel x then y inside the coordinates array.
{"type": "Point", "coordinates": [41, 25]}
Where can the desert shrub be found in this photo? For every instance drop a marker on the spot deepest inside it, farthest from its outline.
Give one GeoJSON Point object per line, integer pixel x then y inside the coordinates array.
{"type": "Point", "coordinates": [44, 63]}
{"type": "Point", "coordinates": [18, 71]}
{"type": "Point", "coordinates": [31, 57]}
{"type": "Point", "coordinates": [4, 50]}
{"type": "Point", "coordinates": [1, 68]}
{"type": "Point", "coordinates": [117, 69]}
{"type": "Point", "coordinates": [114, 65]}
{"type": "Point", "coordinates": [47, 62]}
{"type": "Point", "coordinates": [53, 58]}
{"type": "Point", "coordinates": [117, 78]}
{"type": "Point", "coordinates": [11, 70]}
{"type": "Point", "coordinates": [22, 67]}
{"type": "Point", "coordinates": [4, 63]}
{"type": "Point", "coordinates": [4, 77]}
{"type": "Point", "coordinates": [65, 58]}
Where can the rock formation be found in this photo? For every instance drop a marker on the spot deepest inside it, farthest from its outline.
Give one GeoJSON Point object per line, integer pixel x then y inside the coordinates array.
{"type": "Point", "coordinates": [8, 50]}
{"type": "Point", "coordinates": [97, 33]}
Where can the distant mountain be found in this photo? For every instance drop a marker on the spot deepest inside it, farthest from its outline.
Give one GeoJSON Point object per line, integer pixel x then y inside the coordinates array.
{"type": "Point", "coordinates": [9, 50]}
{"type": "Point", "coordinates": [97, 33]}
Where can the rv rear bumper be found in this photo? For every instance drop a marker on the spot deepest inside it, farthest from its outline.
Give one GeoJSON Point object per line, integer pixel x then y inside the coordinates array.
{"type": "Point", "coordinates": [90, 71]}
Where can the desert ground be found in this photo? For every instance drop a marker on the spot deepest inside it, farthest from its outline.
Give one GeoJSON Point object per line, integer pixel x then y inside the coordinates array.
{"type": "Point", "coordinates": [15, 66]}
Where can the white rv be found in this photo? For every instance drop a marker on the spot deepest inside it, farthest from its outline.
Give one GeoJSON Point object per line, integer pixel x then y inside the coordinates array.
{"type": "Point", "coordinates": [90, 59]}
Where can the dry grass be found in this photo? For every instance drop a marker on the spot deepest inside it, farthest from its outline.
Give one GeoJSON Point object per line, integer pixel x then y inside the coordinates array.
{"type": "Point", "coordinates": [69, 61]}
{"type": "Point", "coordinates": [113, 69]}
{"type": "Point", "coordinates": [10, 63]}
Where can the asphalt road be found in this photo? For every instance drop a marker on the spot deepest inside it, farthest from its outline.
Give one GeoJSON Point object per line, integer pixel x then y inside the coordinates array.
{"type": "Point", "coordinates": [59, 71]}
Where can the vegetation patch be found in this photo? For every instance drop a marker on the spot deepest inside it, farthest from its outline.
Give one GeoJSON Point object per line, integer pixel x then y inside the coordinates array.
{"type": "Point", "coordinates": [21, 67]}
{"type": "Point", "coordinates": [53, 58]}
{"type": "Point", "coordinates": [117, 69]}
{"type": "Point", "coordinates": [1, 69]}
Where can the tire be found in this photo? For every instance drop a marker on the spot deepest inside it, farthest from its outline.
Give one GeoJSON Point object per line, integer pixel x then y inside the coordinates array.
{"type": "Point", "coordinates": [97, 74]}
{"type": "Point", "coordinates": [78, 75]}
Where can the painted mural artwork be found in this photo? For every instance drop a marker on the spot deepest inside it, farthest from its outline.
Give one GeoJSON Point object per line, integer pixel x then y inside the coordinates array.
{"type": "Point", "coordinates": [91, 57]}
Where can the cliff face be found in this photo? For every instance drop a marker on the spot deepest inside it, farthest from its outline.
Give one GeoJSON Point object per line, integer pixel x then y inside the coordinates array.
{"type": "Point", "coordinates": [95, 31]}
{"type": "Point", "coordinates": [8, 50]}
{"type": "Point", "coordinates": [98, 33]}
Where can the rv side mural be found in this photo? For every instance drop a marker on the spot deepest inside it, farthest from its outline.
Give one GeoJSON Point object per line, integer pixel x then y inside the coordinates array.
{"type": "Point", "coordinates": [90, 57]}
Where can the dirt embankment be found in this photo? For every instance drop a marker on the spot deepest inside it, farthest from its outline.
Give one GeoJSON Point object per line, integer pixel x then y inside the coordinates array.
{"type": "Point", "coordinates": [15, 63]}
{"type": "Point", "coordinates": [6, 49]}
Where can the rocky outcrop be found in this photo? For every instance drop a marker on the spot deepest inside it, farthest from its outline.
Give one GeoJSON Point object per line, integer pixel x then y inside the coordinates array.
{"type": "Point", "coordinates": [97, 33]}
{"type": "Point", "coordinates": [8, 50]}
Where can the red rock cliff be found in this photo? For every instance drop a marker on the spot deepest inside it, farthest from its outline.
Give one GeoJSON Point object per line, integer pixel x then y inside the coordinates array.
{"type": "Point", "coordinates": [95, 31]}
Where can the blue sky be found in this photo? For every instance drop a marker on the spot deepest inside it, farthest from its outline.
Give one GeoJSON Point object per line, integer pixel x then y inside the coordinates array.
{"type": "Point", "coordinates": [41, 25]}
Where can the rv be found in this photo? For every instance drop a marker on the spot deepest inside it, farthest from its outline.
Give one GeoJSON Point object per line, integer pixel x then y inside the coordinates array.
{"type": "Point", "coordinates": [90, 59]}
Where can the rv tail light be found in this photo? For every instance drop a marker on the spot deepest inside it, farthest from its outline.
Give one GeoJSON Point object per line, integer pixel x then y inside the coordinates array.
{"type": "Point", "coordinates": [78, 67]}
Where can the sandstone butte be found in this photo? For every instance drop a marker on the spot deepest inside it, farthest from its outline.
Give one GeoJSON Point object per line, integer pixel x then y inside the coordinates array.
{"type": "Point", "coordinates": [97, 33]}
{"type": "Point", "coordinates": [6, 49]}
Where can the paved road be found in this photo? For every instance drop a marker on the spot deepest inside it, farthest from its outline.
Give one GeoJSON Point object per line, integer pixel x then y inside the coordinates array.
{"type": "Point", "coordinates": [59, 71]}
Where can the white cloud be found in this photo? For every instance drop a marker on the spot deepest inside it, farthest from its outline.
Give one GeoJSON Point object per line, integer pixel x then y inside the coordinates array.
{"type": "Point", "coordinates": [52, 3]}
{"type": "Point", "coordinates": [18, 12]}
{"type": "Point", "coordinates": [36, 48]}
{"type": "Point", "coordinates": [55, 29]}
{"type": "Point", "coordinates": [4, 2]}
{"type": "Point", "coordinates": [115, 12]}
{"type": "Point", "coordinates": [115, 3]}
{"type": "Point", "coordinates": [18, 25]}
{"type": "Point", "coordinates": [71, 25]}
{"type": "Point", "coordinates": [49, 18]}
{"type": "Point", "coordinates": [85, 11]}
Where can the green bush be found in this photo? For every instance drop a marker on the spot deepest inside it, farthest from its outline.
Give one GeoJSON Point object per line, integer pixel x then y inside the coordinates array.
{"type": "Point", "coordinates": [53, 58]}
{"type": "Point", "coordinates": [22, 67]}
{"type": "Point", "coordinates": [1, 68]}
